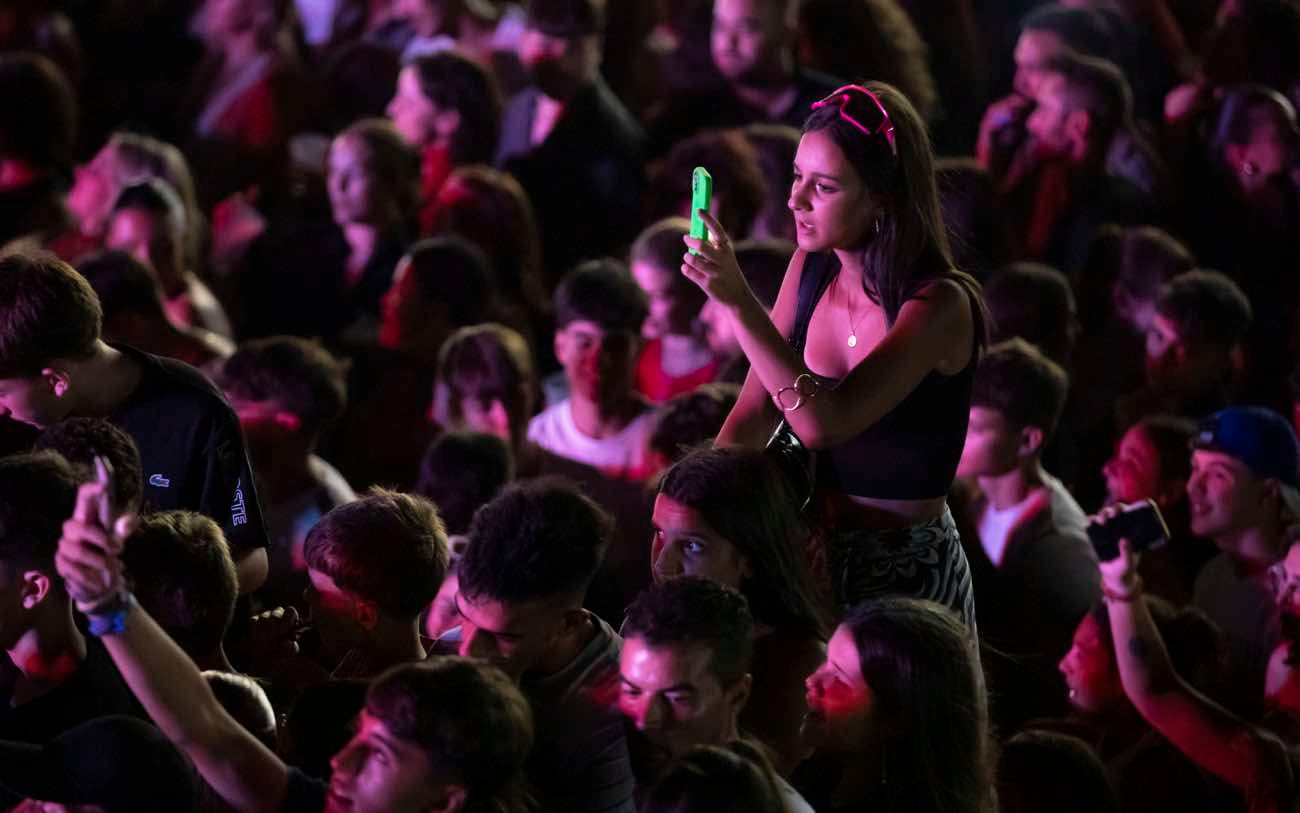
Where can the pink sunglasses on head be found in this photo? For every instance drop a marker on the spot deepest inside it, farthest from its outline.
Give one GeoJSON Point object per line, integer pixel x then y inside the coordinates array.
{"type": "Point", "coordinates": [852, 103]}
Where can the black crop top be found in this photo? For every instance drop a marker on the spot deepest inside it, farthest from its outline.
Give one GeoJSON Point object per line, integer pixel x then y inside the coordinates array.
{"type": "Point", "coordinates": [912, 452]}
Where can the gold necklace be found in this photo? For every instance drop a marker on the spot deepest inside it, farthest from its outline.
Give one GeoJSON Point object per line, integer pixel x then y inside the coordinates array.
{"type": "Point", "coordinates": [853, 332]}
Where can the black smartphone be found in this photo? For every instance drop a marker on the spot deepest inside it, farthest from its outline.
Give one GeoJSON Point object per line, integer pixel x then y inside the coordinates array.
{"type": "Point", "coordinates": [1138, 522]}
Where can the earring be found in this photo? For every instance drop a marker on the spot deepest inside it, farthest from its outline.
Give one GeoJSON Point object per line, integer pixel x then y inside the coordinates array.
{"type": "Point", "coordinates": [878, 219]}
{"type": "Point", "coordinates": [1249, 169]}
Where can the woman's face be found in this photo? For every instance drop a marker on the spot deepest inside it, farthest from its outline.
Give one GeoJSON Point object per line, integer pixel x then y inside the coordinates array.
{"type": "Point", "coordinates": [93, 191]}
{"type": "Point", "coordinates": [838, 697]}
{"type": "Point", "coordinates": [1133, 473]}
{"type": "Point", "coordinates": [685, 545]}
{"type": "Point", "coordinates": [1091, 676]}
{"type": "Point", "coordinates": [831, 204]}
{"type": "Point", "coordinates": [145, 237]}
{"type": "Point", "coordinates": [353, 190]}
{"type": "Point", "coordinates": [411, 112]}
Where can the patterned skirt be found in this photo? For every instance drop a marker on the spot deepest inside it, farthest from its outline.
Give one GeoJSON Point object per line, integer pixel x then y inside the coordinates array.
{"type": "Point", "coordinates": [923, 561]}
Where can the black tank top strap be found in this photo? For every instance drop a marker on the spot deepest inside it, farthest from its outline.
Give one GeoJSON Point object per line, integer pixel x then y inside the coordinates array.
{"type": "Point", "coordinates": [818, 271]}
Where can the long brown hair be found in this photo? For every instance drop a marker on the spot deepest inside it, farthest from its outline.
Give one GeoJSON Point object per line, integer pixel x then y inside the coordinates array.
{"type": "Point", "coordinates": [910, 249]}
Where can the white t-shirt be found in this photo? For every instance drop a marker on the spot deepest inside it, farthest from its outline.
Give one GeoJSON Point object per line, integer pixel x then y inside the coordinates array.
{"type": "Point", "coordinates": [995, 526]}
{"type": "Point", "coordinates": [625, 455]}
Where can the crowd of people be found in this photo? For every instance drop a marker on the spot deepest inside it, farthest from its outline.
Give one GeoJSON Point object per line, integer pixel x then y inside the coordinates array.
{"type": "Point", "coordinates": [378, 433]}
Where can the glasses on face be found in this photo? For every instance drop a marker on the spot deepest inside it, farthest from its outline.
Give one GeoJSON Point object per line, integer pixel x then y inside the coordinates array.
{"type": "Point", "coordinates": [862, 108]}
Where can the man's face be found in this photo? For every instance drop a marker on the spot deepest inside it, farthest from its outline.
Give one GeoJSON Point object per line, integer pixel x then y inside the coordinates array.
{"type": "Point", "coordinates": [1133, 473]}
{"type": "Point", "coordinates": [1268, 149]}
{"type": "Point", "coordinates": [377, 772]}
{"type": "Point", "coordinates": [1047, 124]}
{"type": "Point", "coordinates": [992, 445]}
{"type": "Point", "coordinates": [1089, 669]}
{"type": "Point", "coordinates": [1033, 50]}
{"type": "Point", "coordinates": [32, 401]}
{"type": "Point", "coordinates": [671, 701]}
{"type": "Point", "coordinates": [685, 545]}
{"type": "Point", "coordinates": [598, 364]}
{"type": "Point", "coordinates": [747, 40]}
{"type": "Point", "coordinates": [1224, 496]}
{"type": "Point", "coordinates": [334, 613]}
{"type": "Point", "coordinates": [559, 66]}
{"type": "Point", "coordinates": [266, 423]}
{"type": "Point", "coordinates": [512, 636]}
{"type": "Point", "coordinates": [672, 308]}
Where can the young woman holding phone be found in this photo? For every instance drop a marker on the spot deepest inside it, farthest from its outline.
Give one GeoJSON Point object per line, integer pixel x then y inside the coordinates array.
{"type": "Point", "coordinates": [870, 350]}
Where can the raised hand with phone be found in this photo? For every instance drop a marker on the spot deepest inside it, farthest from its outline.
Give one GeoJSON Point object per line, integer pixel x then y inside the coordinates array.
{"type": "Point", "coordinates": [93, 538]}
{"type": "Point", "coordinates": [710, 260]}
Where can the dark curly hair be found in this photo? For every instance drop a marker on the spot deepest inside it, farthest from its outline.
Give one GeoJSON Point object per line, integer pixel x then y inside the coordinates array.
{"type": "Point", "coordinates": [80, 440]}
{"type": "Point", "coordinates": [693, 610]}
{"type": "Point", "coordinates": [540, 540]}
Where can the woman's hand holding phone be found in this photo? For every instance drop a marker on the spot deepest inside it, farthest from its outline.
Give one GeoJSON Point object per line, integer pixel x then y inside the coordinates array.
{"type": "Point", "coordinates": [711, 264]}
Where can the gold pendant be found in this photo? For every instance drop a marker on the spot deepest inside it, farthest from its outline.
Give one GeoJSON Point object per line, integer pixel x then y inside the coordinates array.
{"type": "Point", "coordinates": [853, 340]}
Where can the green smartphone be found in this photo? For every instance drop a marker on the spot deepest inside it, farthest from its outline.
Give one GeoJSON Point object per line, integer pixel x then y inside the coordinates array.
{"type": "Point", "coordinates": [701, 198]}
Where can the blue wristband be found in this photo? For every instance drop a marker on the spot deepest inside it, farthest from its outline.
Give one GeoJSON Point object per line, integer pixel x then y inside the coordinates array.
{"type": "Point", "coordinates": [110, 618]}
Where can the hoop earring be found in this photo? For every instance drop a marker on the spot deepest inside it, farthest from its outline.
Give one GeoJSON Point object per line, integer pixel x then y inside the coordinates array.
{"type": "Point", "coordinates": [878, 219]}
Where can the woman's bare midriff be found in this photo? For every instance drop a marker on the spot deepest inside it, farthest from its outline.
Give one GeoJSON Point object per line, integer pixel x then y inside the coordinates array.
{"type": "Point", "coordinates": [850, 511]}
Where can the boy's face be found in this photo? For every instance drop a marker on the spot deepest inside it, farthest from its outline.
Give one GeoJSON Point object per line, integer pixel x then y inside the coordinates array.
{"type": "Point", "coordinates": [599, 364]}
{"type": "Point", "coordinates": [672, 308]}
{"type": "Point", "coordinates": [379, 771]}
{"type": "Point", "coordinates": [992, 445]}
{"type": "Point", "coordinates": [334, 613]}
{"type": "Point", "coordinates": [514, 636]}
{"type": "Point", "coordinates": [32, 400]}
{"type": "Point", "coordinates": [671, 701]}
{"type": "Point", "coordinates": [1225, 496]}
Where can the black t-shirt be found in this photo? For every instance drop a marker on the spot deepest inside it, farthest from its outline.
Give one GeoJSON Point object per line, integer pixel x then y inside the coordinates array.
{"type": "Point", "coordinates": [94, 690]}
{"type": "Point", "coordinates": [304, 794]}
{"type": "Point", "coordinates": [191, 448]}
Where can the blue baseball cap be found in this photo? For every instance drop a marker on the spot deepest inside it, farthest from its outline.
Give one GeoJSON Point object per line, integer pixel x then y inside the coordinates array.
{"type": "Point", "coordinates": [1256, 436]}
